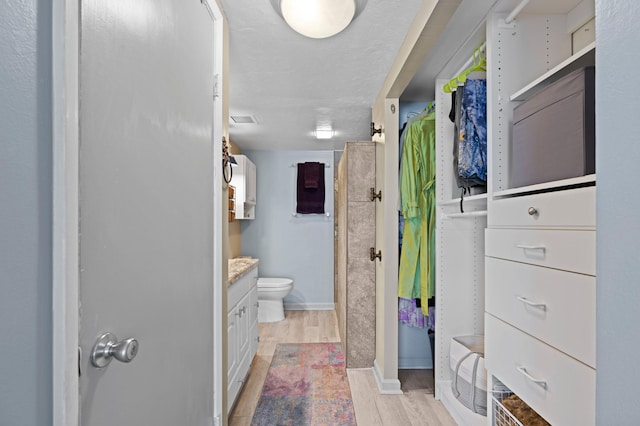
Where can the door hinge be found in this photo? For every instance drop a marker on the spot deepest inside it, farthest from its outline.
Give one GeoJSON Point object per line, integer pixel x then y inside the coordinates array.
{"type": "Point", "coordinates": [373, 195]}
{"type": "Point", "coordinates": [373, 255]}
{"type": "Point", "coordinates": [374, 130]}
{"type": "Point", "coordinates": [79, 361]}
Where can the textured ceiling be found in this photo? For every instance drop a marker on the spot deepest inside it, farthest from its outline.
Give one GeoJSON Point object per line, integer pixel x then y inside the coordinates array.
{"type": "Point", "coordinates": [291, 83]}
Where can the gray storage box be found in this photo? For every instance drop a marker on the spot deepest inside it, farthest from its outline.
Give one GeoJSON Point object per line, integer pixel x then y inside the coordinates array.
{"type": "Point", "coordinates": [554, 131]}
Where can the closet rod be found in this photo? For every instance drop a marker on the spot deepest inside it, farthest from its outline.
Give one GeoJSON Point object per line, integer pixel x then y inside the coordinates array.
{"type": "Point", "coordinates": [515, 11]}
{"type": "Point", "coordinates": [464, 215]}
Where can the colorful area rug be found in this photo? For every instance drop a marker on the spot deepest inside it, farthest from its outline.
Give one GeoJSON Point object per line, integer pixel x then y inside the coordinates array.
{"type": "Point", "coordinates": [306, 385]}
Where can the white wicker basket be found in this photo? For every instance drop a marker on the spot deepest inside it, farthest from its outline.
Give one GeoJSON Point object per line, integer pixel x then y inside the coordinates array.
{"type": "Point", "coordinates": [502, 416]}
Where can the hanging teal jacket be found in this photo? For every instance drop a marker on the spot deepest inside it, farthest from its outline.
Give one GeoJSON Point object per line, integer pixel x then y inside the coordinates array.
{"type": "Point", "coordinates": [417, 182]}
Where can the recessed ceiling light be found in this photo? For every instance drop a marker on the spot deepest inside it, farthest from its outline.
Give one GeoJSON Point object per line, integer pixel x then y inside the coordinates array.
{"type": "Point", "coordinates": [324, 133]}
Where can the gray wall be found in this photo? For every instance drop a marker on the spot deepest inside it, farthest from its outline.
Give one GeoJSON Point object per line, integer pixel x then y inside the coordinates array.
{"type": "Point", "coordinates": [618, 204]}
{"type": "Point", "coordinates": [25, 212]}
{"type": "Point", "coordinates": [299, 247]}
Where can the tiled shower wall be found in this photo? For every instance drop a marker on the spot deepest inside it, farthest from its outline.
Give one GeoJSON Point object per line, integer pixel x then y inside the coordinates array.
{"type": "Point", "coordinates": [355, 296]}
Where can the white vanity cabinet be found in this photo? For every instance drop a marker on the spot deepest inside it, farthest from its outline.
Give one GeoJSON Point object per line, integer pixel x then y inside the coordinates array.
{"type": "Point", "coordinates": [242, 331]}
{"type": "Point", "coordinates": [244, 180]}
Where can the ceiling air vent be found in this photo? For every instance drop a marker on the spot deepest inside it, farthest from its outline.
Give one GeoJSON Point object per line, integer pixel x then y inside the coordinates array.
{"type": "Point", "coordinates": [243, 119]}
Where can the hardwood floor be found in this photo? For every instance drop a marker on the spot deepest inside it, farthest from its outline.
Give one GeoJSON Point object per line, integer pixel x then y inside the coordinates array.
{"type": "Point", "coordinates": [416, 406]}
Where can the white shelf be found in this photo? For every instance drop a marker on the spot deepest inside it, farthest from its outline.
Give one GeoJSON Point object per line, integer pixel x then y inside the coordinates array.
{"type": "Point", "coordinates": [456, 201]}
{"type": "Point", "coordinates": [583, 58]}
{"type": "Point", "coordinates": [465, 215]}
{"type": "Point", "coordinates": [546, 186]}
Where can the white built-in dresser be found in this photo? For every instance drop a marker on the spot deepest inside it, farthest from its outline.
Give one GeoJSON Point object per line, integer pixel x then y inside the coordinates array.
{"type": "Point", "coordinates": [540, 244]}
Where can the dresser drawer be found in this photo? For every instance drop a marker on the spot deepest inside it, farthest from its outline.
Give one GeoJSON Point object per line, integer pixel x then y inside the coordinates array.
{"type": "Point", "coordinates": [573, 208]}
{"type": "Point", "coordinates": [573, 251]}
{"type": "Point", "coordinates": [565, 394]}
{"type": "Point", "coordinates": [557, 307]}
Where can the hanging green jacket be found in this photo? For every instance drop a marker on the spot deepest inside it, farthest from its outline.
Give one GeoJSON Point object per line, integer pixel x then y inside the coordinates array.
{"type": "Point", "coordinates": [417, 183]}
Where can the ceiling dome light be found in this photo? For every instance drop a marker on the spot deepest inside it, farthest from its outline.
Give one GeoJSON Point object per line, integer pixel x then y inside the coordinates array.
{"type": "Point", "coordinates": [318, 18]}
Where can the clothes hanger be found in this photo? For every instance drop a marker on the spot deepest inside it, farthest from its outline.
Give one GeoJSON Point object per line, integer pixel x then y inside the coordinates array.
{"type": "Point", "coordinates": [479, 64]}
{"type": "Point", "coordinates": [429, 109]}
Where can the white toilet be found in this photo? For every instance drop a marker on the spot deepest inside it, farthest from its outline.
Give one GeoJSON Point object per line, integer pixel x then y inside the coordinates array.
{"type": "Point", "coordinates": [271, 291]}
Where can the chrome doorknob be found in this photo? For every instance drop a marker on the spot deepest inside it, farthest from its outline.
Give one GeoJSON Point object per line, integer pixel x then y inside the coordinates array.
{"type": "Point", "coordinates": [107, 347]}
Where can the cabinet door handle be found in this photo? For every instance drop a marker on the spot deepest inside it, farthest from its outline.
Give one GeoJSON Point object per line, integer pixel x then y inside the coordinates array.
{"type": "Point", "coordinates": [539, 382]}
{"type": "Point", "coordinates": [542, 306]}
{"type": "Point", "coordinates": [530, 247]}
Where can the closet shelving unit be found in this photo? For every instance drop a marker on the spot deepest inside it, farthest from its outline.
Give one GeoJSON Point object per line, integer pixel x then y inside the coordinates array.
{"type": "Point", "coordinates": [523, 55]}
{"type": "Point", "coordinates": [459, 244]}
{"type": "Point", "coordinates": [540, 241]}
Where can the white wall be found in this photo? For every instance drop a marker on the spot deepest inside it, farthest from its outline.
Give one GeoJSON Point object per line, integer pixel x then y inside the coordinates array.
{"type": "Point", "coordinates": [618, 204]}
{"type": "Point", "coordinates": [298, 247]}
{"type": "Point", "coordinates": [25, 213]}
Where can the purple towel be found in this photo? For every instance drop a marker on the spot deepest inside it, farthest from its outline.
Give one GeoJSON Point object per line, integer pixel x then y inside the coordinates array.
{"type": "Point", "coordinates": [310, 200]}
{"type": "Point", "coordinates": [311, 175]}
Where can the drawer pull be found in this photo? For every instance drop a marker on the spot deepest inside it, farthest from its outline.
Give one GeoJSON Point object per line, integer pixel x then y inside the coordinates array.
{"type": "Point", "coordinates": [542, 306]}
{"type": "Point", "coordinates": [532, 211]}
{"type": "Point", "coordinates": [528, 247]}
{"type": "Point", "coordinates": [541, 383]}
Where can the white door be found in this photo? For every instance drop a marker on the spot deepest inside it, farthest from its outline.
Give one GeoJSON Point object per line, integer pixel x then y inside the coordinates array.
{"type": "Point", "coordinates": [146, 210]}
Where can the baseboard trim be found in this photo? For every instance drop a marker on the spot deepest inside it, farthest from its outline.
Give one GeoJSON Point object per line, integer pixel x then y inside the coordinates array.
{"type": "Point", "coordinates": [414, 364]}
{"type": "Point", "coordinates": [386, 386]}
{"type": "Point", "coordinates": [309, 306]}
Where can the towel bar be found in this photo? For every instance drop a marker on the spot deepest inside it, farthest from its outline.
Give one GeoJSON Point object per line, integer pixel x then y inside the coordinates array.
{"type": "Point", "coordinates": [326, 166]}
{"type": "Point", "coordinates": [311, 214]}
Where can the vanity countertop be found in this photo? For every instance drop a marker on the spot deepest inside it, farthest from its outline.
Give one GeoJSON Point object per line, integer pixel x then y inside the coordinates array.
{"type": "Point", "coordinates": [240, 266]}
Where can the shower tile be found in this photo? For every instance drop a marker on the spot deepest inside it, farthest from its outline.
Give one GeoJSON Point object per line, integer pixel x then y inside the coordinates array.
{"type": "Point", "coordinates": [361, 171]}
